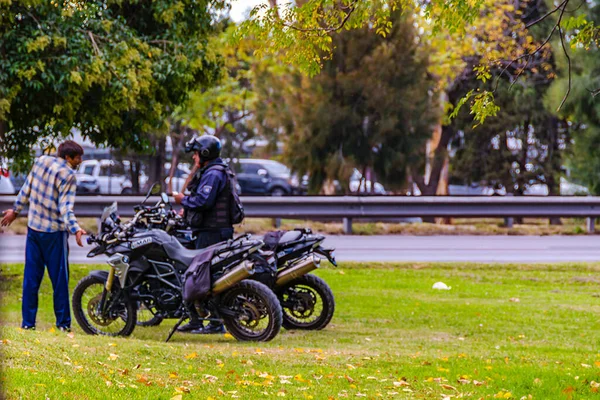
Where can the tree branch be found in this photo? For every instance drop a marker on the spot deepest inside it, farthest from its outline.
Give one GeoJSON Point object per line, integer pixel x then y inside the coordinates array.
{"type": "Point", "coordinates": [350, 8]}
{"type": "Point", "coordinates": [562, 42]}
{"type": "Point", "coordinates": [537, 21]}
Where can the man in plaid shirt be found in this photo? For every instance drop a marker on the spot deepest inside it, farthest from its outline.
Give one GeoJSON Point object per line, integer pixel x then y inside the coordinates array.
{"type": "Point", "coordinates": [50, 191]}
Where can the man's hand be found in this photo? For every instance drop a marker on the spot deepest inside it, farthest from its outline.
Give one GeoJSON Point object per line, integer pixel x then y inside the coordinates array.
{"type": "Point", "coordinates": [78, 236]}
{"type": "Point", "coordinates": [178, 197]}
{"type": "Point", "coordinates": [8, 217]}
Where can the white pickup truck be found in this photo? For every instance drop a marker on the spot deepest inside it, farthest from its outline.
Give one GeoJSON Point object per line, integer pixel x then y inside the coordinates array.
{"type": "Point", "coordinates": [110, 175]}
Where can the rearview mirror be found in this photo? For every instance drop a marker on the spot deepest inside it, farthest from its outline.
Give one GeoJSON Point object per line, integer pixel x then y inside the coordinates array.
{"type": "Point", "coordinates": [164, 198]}
{"type": "Point", "coordinates": [154, 190]}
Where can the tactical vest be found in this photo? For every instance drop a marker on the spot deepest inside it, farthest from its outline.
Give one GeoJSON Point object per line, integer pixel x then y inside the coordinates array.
{"type": "Point", "coordinates": [218, 216]}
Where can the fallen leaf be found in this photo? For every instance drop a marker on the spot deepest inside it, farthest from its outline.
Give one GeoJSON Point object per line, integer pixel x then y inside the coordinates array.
{"type": "Point", "coordinates": [172, 375]}
{"type": "Point", "coordinates": [191, 356]}
{"type": "Point", "coordinates": [401, 384]}
{"type": "Point", "coordinates": [514, 300]}
{"type": "Point", "coordinates": [350, 366]}
{"type": "Point", "coordinates": [448, 387]}
{"type": "Point", "coordinates": [178, 397]}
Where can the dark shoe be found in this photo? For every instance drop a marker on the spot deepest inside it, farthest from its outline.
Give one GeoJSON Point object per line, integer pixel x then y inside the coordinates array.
{"type": "Point", "coordinates": [211, 329]}
{"type": "Point", "coordinates": [64, 329]}
{"type": "Point", "coordinates": [190, 326]}
{"type": "Point", "coordinates": [28, 328]}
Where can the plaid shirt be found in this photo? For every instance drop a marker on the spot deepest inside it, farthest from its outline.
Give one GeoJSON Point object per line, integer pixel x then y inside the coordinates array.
{"type": "Point", "coordinates": [50, 190]}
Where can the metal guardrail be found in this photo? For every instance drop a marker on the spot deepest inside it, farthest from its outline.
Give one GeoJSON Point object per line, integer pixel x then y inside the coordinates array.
{"type": "Point", "coordinates": [352, 207]}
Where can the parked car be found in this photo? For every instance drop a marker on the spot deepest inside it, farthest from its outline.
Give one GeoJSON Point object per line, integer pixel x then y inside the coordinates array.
{"type": "Point", "coordinates": [86, 184]}
{"type": "Point", "coordinates": [110, 176]}
{"type": "Point", "coordinates": [181, 173]}
{"type": "Point", "coordinates": [356, 187]}
{"type": "Point", "coordinates": [6, 186]}
{"type": "Point", "coordinates": [267, 177]}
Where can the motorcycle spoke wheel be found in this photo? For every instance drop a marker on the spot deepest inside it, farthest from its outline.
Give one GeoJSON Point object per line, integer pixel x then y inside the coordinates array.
{"type": "Point", "coordinates": [257, 313]}
{"type": "Point", "coordinates": [119, 320]}
{"type": "Point", "coordinates": [307, 303]}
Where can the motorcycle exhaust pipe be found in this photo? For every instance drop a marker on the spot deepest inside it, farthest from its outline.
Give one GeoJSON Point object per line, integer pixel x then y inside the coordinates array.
{"type": "Point", "coordinates": [241, 272]}
{"type": "Point", "coordinates": [302, 268]}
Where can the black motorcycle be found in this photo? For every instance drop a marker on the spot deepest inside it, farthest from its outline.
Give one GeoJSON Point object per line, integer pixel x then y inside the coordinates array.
{"type": "Point", "coordinates": [147, 267]}
{"type": "Point", "coordinates": [307, 301]}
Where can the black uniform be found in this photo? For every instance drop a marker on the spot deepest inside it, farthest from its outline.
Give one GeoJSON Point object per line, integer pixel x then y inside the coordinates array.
{"type": "Point", "coordinates": [207, 208]}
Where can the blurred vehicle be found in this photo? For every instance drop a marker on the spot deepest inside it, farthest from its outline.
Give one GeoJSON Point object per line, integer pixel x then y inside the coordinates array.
{"type": "Point", "coordinates": [6, 186]}
{"type": "Point", "coordinates": [86, 184]}
{"type": "Point", "coordinates": [181, 173]}
{"type": "Point", "coordinates": [355, 185]}
{"type": "Point", "coordinates": [110, 176]}
{"type": "Point", "coordinates": [258, 176]}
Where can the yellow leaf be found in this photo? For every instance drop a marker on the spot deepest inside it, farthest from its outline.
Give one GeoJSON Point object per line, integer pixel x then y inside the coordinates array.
{"type": "Point", "coordinates": [228, 336]}
{"type": "Point", "coordinates": [259, 351]}
{"type": "Point", "coordinates": [112, 345]}
{"type": "Point", "coordinates": [173, 375]}
{"type": "Point", "coordinates": [191, 356]}
{"type": "Point", "coordinates": [178, 397]}
{"type": "Point", "coordinates": [113, 357]}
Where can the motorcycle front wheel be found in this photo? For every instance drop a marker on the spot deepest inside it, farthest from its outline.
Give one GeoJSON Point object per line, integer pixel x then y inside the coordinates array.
{"type": "Point", "coordinates": [307, 303]}
{"type": "Point", "coordinates": [253, 312]}
{"type": "Point", "coordinates": [119, 320]}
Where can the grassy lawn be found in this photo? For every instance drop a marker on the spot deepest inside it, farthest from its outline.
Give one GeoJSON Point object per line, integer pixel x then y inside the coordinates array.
{"type": "Point", "coordinates": [458, 226]}
{"type": "Point", "coordinates": [501, 332]}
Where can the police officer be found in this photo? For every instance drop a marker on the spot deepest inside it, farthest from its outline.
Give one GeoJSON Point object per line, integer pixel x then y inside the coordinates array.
{"type": "Point", "coordinates": [207, 208]}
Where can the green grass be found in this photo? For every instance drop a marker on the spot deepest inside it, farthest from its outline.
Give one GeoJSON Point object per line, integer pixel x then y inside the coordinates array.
{"type": "Point", "coordinates": [392, 336]}
{"type": "Point", "coordinates": [458, 226]}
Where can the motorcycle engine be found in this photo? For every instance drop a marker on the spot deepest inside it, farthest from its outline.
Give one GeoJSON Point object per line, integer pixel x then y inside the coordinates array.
{"type": "Point", "coordinates": [166, 298]}
{"type": "Point", "coordinates": [169, 299]}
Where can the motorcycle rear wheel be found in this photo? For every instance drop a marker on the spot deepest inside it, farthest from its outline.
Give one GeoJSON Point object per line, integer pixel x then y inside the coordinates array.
{"type": "Point", "coordinates": [258, 315]}
{"type": "Point", "coordinates": [307, 303]}
{"type": "Point", "coordinates": [86, 297]}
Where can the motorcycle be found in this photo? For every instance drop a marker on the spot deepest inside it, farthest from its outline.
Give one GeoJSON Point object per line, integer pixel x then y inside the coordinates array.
{"type": "Point", "coordinates": [307, 301]}
{"type": "Point", "coordinates": [147, 267]}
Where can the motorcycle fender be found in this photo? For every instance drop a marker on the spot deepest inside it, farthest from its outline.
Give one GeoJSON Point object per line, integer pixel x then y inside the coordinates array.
{"type": "Point", "coordinates": [102, 275]}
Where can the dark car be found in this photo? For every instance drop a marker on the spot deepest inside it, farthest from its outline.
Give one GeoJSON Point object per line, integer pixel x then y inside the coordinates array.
{"type": "Point", "coordinates": [267, 177]}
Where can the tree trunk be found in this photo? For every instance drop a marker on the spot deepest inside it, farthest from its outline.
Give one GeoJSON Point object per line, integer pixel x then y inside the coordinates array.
{"type": "Point", "coordinates": [134, 174]}
{"type": "Point", "coordinates": [436, 179]}
{"type": "Point", "coordinates": [156, 163]}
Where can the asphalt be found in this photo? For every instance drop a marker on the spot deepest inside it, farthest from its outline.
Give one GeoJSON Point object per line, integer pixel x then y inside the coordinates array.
{"type": "Point", "coordinates": [480, 249]}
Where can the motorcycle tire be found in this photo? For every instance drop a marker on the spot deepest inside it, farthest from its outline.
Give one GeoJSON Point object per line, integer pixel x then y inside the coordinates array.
{"type": "Point", "coordinates": [86, 321]}
{"type": "Point", "coordinates": [298, 300]}
{"type": "Point", "coordinates": [253, 302]}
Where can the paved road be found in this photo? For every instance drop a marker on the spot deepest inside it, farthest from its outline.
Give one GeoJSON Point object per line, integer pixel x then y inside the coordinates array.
{"type": "Point", "coordinates": [504, 249]}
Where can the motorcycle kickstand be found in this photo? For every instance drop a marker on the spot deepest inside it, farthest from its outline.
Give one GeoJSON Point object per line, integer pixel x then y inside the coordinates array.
{"type": "Point", "coordinates": [174, 329]}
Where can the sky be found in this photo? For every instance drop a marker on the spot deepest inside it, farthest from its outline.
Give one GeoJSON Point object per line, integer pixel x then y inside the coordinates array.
{"type": "Point", "coordinates": [241, 8]}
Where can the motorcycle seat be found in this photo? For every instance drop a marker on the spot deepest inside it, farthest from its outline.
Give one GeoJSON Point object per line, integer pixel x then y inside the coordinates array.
{"type": "Point", "coordinates": [176, 251]}
{"type": "Point", "coordinates": [290, 236]}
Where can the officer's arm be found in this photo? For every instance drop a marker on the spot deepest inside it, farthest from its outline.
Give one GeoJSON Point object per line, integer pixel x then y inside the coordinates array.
{"type": "Point", "coordinates": [205, 196]}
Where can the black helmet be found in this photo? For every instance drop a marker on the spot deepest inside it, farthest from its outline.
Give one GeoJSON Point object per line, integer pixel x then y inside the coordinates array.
{"type": "Point", "coordinates": [208, 146]}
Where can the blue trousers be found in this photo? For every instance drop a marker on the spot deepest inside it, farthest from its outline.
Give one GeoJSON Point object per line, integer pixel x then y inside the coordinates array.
{"type": "Point", "coordinates": [46, 250]}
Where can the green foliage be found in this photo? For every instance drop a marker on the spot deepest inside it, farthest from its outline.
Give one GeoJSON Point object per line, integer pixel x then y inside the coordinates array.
{"type": "Point", "coordinates": [581, 108]}
{"type": "Point", "coordinates": [522, 146]}
{"type": "Point", "coordinates": [111, 69]}
{"type": "Point", "coordinates": [372, 107]}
